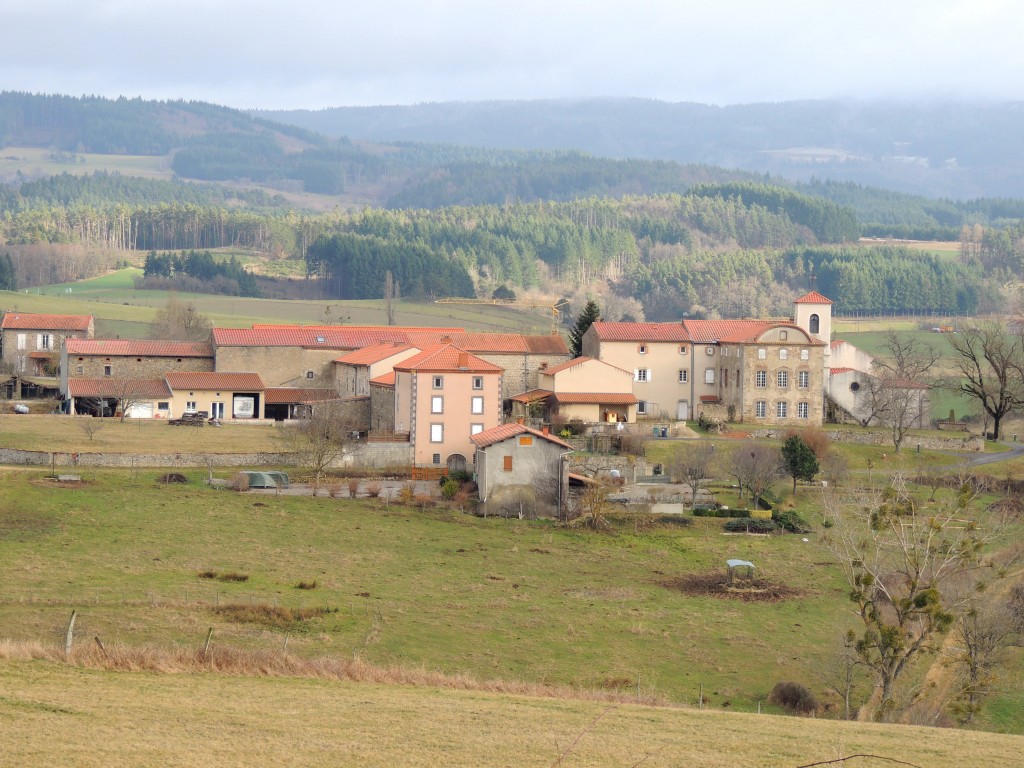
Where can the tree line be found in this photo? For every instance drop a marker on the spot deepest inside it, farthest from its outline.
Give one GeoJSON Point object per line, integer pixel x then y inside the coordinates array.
{"type": "Point", "coordinates": [208, 274]}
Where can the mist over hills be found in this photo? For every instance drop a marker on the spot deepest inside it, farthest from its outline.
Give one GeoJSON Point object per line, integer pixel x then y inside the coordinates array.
{"type": "Point", "coordinates": [955, 150]}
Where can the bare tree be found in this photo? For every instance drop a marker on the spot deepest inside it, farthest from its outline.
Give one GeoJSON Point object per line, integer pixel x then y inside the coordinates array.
{"type": "Point", "coordinates": [898, 387]}
{"type": "Point", "coordinates": [392, 292]}
{"type": "Point", "coordinates": [182, 322]}
{"type": "Point", "coordinates": [842, 672]}
{"type": "Point", "coordinates": [90, 426]}
{"type": "Point", "coordinates": [981, 636]}
{"type": "Point", "coordinates": [990, 364]}
{"type": "Point", "coordinates": [127, 393]}
{"type": "Point", "coordinates": [900, 556]}
{"type": "Point", "coordinates": [326, 435]}
{"type": "Point", "coordinates": [756, 467]}
{"type": "Point", "coordinates": [692, 465]}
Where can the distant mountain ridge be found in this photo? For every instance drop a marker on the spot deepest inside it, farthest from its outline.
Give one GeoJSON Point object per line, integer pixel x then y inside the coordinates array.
{"type": "Point", "coordinates": [954, 150]}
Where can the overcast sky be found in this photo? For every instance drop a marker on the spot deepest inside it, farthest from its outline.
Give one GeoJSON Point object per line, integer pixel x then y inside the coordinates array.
{"type": "Point", "coordinates": [322, 53]}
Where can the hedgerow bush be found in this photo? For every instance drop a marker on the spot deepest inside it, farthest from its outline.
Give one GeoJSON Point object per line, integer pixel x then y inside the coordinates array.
{"type": "Point", "coordinates": [751, 526]}
{"type": "Point", "coordinates": [790, 520]}
{"type": "Point", "coordinates": [720, 512]}
{"type": "Point", "coordinates": [794, 697]}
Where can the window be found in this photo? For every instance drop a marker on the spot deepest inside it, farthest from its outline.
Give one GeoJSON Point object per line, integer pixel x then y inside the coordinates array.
{"type": "Point", "coordinates": [45, 341]}
{"type": "Point", "coordinates": [761, 409]}
{"type": "Point", "coordinates": [526, 440]}
{"type": "Point", "coordinates": [22, 340]}
{"type": "Point", "coordinates": [437, 404]}
{"type": "Point", "coordinates": [762, 354]}
{"type": "Point", "coordinates": [682, 350]}
{"type": "Point", "coordinates": [310, 374]}
{"type": "Point", "coordinates": [782, 409]}
{"type": "Point", "coordinates": [684, 376]}
{"type": "Point", "coordinates": [709, 375]}
{"type": "Point", "coordinates": [641, 407]}
{"type": "Point", "coordinates": [477, 405]}
{"type": "Point", "coordinates": [642, 349]}
{"type": "Point", "coordinates": [643, 374]}
{"type": "Point", "coordinates": [782, 379]}
{"type": "Point", "coordinates": [80, 370]}
{"type": "Point", "coordinates": [761, 379]}
{"type": "Point", "coordinates": [436, 458]}
{"type": "Point", "coordinates": [803, 379]}
{"type": "Point", "coordinates": [163, 405]}
{"type": "Point", "coordinates": [476, 429]}
{"type": "Point", "coordinates": [107, 370]}
{"type": "Point", "coordinates": [725, 377]}
{"type": "Point", "coordinates": [438, 382]}
{"type": "Point", "coordinates": [190, 406]}
{"type": "Point", "coordinates": [814, 325]}
{"type": "Point", "coordinates": [802, 410]}
{"type": "Point", "coordinates": [805, 354]}
{"type": "Point", "coordinates": [783, 335]}
{"type": "Point", "coordinates": [478, 382]}
{"type": "Point", "coordinates": [437, 433]}
{"type": "Point", "coordinates": [725, 351]}
{"type": "Point", "coordinates": [783, 354]}
{"type": "Point", "coordinates": [506, 463]}
{"type": "Point", "coordinates": [709, 351]}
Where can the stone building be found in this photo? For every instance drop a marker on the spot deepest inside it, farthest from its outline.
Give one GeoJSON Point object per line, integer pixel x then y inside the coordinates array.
{"type": "Point", "coordinates": [30, 344]}
{"type": "Point", "coordinates": [130, 359]}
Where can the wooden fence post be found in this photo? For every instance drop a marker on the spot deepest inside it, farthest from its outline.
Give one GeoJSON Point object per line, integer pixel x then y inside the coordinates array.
{"type": "Point", "coordinates": [69, 637]}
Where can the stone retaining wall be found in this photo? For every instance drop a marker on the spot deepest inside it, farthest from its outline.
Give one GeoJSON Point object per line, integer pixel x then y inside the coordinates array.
{"type": "Point", "coordinates": [964, 443]}
{"type": "Point", "coordinates": [367, 456]}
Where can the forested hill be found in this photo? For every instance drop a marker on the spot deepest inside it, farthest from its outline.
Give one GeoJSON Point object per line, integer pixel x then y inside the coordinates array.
{"type": "Point", "coordinates": [954, 150]}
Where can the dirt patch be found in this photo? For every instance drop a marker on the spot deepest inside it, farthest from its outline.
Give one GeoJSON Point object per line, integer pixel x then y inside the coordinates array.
{"type": "Point", "coordinates": [17, 524]}
{"type": "Point", "coordinates": [716, 584]}
{"type": "Point", "coordinates": [735, 435]}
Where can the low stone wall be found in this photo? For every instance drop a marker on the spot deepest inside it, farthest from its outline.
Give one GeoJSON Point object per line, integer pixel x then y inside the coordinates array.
{"type": "Point", "coordinates": [963, 443]}
{"type": "Point", "coordinates": [366, 456]}
{"type": "Point", "coordinates": [630, 468]}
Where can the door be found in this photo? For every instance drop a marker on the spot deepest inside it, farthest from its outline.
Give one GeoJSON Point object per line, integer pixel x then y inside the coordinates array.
{"type": "Point", "coordinates": [456, 463]}
{"type": "Point", "coordinates": [683, 410]}
{"type": "Point", "coordinates": [216, 410]}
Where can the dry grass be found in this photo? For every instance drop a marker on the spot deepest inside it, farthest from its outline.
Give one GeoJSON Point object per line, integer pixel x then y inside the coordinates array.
{"type": "Point", "coordinates": [57, 433]}
{"type": "Point", "coordinates": [152, 707]}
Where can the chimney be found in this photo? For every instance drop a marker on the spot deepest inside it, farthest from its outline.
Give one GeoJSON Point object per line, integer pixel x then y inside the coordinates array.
{"type": "Point", "coordinates": [543, 366]}
{"type": "Point", "coordinates": [520, 421]}
{"type": "Point", "coordinates": [463, 360]}
{"type": "Point", "coordinates": [545, 430]}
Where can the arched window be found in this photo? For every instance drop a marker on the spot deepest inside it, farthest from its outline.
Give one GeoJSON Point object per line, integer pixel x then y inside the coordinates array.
{"type": "Point", "coordinates": [814, 324]}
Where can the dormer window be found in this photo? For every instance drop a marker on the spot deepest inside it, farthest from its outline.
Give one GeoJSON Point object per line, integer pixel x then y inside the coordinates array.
{"type": "Point", "coordinates": [321, 340]}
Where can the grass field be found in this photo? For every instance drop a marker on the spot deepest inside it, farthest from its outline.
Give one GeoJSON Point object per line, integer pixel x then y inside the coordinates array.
{"type": "Point", "coordinates": [57, 714]}
{"type": "Point", "coordinates": [121, 310]}
{"type": "Point", "coordinates": [491, 598]}
{"type": "Point", "coordinates": [34, 162]}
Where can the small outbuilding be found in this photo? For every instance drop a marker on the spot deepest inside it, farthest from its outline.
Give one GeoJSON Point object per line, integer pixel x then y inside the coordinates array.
{"type": "Point", "coordinates": [523, 468]}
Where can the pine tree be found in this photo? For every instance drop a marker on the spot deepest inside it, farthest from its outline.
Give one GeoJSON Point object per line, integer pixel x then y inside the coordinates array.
{"type": "Point", "coordinates": [590, 314]}
{"type": "Point", "coordinates": [799, 459]}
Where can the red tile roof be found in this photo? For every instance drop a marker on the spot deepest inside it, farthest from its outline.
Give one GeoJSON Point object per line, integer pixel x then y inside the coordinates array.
{"type": "Point", "coordinates": [839, 370]}
{"type": "Point", "coordinates": [139, 348]}
{"type": "Point", "coordinates": [709, 398]}
{"type": "Point", "coordinates": [813, 298]}
{"type": "Point", "coordinates": [113, 388]}
{"type": "Point", "coordinates": [594, 398]}
{"type": "Point", "coordinates": [506, 431]}
{"type": "Point", "coordinates": [740, 331]}
{"type": "Point", "coordinates": [447, 358]}
{"type": "Point", "coordinates": [374, 354]}
{"type": "Point", "coordinates": [234, 382]}
{"type": "Point", "coordinates": [607, 331]}
{"type": "Point", "coordinates": [837, 343]}
{"type": "Point", "coordinates": [495, 343]}
{"type": "Point", "coordinates": [30, 322]}
{"type": "Point", "coordinates": [387, 380]}
{"type": "Point", "coordinates": [288, 395]}
{"type": "Point", "coordinates": [336, 337]}
{"type": "Point", "coordinates": [579, 361]}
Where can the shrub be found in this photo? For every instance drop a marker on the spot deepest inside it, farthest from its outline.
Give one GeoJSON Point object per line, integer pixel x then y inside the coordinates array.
{"type": "Point", "coordinates": [307, 584]}
{"type": "Point", "coordinates": [239, 482]}
{"type": "Point", "coordinates": [761, 514]}
{"type": "Point", "coordinates": [373, 490]}
{"type": "Point", "coordinates": [450, 487]}
{"type": "Point", "coordinates": [794, 697]}
{"type": "Point", "coordinates": [407, 493]}
{"type": "Point", "coordinates": [750, 526]}
{"type": "Point", "coordinates": [173, 477]}
{"type": "Point", "coordinates": [700, 511]}
{"type": "Point", "coordinates": [334, 491]}
{"type": "Point", "coordinates": [459, 476]}
{"type": "Point", "coordinates": [353, 488]}
{"type": "Point", "coordinates": [790, 520]}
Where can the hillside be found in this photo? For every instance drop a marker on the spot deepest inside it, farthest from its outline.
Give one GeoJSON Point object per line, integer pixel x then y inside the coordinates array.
{"type": "Point", "coordinates": [54, 713]}
{"type": "Point", "coordinates": [955, 150]}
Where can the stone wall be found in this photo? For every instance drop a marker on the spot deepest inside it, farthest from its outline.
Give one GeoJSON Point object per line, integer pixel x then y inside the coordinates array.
{"type": "Point", "coordinates": [122, 366]}
{"type": "Point", "coordinates": [366, 456]}
{"type": "Point", "coordinates": [632, 469]}
{"type": "Point", "coordinates": [966, 443]}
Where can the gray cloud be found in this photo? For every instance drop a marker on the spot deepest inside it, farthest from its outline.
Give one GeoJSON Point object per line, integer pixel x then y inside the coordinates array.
{"type": "Point", "coordinates": [314, 53]}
